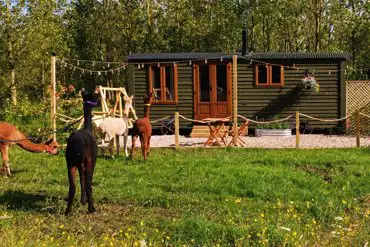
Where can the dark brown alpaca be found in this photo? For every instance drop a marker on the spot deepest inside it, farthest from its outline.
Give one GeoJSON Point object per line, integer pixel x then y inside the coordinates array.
{"type": "Point", "coordinates": [81, 154]}
{"type": "Point", "coordinates": [143, 129]}
{"type": "Point", "coordinates": [10, 135]}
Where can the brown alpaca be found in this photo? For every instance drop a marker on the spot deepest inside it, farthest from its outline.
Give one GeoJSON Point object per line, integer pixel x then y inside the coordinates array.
{"type": "Point", "coordinates": [10, 135]}
{"type": "Point", "coordinates": [143, 128]}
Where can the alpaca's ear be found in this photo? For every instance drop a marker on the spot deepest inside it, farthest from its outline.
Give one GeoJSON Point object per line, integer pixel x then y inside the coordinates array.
{"type": "Point", "coordinates": [49, 141]}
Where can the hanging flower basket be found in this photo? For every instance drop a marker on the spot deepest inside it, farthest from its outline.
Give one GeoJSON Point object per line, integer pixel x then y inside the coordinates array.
{"type": "Point", "coordinates": [309, 82]}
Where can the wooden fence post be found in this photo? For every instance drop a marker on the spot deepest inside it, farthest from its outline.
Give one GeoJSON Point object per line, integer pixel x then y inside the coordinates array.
{"type": "Point", "coordinates": [235, 100]}
{"type": "Point", "coordinates": [53, 97]}
{"type": "Point", "coordinates": [177, 130]}
{"type": "Point", "coordinates": [297, 134]}
{"type": "Point", "coordinates": [358, 129]}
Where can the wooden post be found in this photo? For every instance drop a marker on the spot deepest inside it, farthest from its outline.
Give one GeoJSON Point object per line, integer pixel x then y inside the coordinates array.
{"type": "Point", "coordinates": [53, 98]}
{"type": "Point", "coordinates": [297, 134]}
{"type": "Point", "coordinates": [235, 100]}
{"type": "Point", "coordinates": [177, 130]}
{"type": "Point", "coordinates": [358, 129]}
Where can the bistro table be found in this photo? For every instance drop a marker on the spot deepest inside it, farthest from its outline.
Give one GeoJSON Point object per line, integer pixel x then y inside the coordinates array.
{"type": "Point", "coordinates": [215, 125]}
{"type": "Point", "coordinates": [241, 131]}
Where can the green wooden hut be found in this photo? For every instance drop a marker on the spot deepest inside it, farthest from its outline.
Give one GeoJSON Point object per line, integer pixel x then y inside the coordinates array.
{"type": "Point", "coordinates": [199, 85]}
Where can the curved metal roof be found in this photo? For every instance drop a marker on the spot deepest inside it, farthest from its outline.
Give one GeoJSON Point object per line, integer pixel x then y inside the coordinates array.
{"type": "Point", "coordinates": [215, 55]}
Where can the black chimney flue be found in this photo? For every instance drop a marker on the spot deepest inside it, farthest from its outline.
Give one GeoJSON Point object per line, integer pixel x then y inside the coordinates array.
{"type": "Point", "coordinates": [244, 42]}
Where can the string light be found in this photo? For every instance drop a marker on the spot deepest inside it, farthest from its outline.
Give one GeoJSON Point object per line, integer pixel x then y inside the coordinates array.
{"type": "Point", "coordinates": [142, 65]}
{"type": "Point", "coordinates": [138, 66]}
{"type": "Point", "coordinates": [158, 65]}
{"type": "Point", "coordinates": [99, 73]}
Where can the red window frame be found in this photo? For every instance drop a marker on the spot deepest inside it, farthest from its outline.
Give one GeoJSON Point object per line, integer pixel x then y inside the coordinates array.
{"type": "Point", "coordinates": [162, 90]}
{"type": "Point", "coordinates": [269, 82]}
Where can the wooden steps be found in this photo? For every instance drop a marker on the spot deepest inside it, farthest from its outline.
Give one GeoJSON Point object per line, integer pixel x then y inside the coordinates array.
{"type": "Point", "coordinates": [203, 131]}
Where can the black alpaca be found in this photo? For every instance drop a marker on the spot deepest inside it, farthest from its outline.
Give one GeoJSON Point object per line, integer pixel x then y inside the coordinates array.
{"type": "Point", "coordinates": [81, 154]}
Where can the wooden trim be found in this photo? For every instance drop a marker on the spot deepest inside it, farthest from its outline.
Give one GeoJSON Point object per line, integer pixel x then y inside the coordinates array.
{"type": "Point", "coordinates": [343, 90]}
{"type": "Point", "coordinates": [150, 79]}
{"type": "Point", "coordinates": [162, 76]}
{"type": "Point", "coordinates": [269, 83]}
{"type": "Point", "coordinates": [164, 102]}
{"type": "Point", "coordinates": [162, 72]}
{"type": "Point", "coordinates": [229, 88]}
{"type": "Point", "coordinates": [195, 89]}
{"type": "Point", "coordinates": [175, 83]}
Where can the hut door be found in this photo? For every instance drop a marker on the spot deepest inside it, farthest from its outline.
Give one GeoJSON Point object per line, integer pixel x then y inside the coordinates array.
{"type": "Point", "coordinates": [212, 90]}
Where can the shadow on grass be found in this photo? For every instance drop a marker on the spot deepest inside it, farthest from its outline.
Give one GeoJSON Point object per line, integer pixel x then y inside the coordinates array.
{"type": "Point", "coordinates": [20, 201]}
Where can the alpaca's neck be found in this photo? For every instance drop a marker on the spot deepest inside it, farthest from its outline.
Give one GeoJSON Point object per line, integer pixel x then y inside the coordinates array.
{"type": "Point", "coordinates": [126, 110]}
{"type": "Point", "coordinates": [87, 118]}
{"type": "Point", "coordinates": [32, 147]}
{"type": "Point", "coordinates": [146, 111]}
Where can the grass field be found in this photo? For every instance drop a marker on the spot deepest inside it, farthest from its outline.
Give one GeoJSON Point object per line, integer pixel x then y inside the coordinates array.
{"type": "Point", "coordinates": [193, 197]}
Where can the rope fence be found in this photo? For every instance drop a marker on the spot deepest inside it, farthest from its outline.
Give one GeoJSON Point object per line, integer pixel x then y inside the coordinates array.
{"type": "Point", "coordinates": [176, 117]}
{"type": "Point", "coordinates": [210, 121]}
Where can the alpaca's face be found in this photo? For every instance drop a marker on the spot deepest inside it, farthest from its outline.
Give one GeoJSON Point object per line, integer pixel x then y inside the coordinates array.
{"type": "Point", "coordinates": [148, 99]}
{"type": "Point", "coordinates": [128, 101]}
{"type": "Point", "coordinates": [90, 98]}
{"type": "Point", "coordinates": [53, 147]}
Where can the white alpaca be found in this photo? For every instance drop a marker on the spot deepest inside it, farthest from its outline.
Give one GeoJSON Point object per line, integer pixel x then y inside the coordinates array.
{"type": "Point", "coordinates": [116, 127]}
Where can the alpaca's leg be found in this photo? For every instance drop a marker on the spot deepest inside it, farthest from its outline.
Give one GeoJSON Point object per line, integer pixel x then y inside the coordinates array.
{"type": "Point", "coordinates": [89, 177]}
{"type": "Point", "coordinates": [81, 172]}
{"type": "Point", "coordinates": [134, 137]}
{"type": "Point", "coordinates": [111, 146]}
{"type": "Point", "coordinates": [118, 146]}
{"type": "Point", "coordinates": [4, 153]}
{"type": "Point", "coordinates": [143, 142]}
{"type": "Point", "coordinates": [125, 143]}
{"type": "Point", "coordinates": [148, 146]}
{"type": "Point", "coordinates": [72, 188]}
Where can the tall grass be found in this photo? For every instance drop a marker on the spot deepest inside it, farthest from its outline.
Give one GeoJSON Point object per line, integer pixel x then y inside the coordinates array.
{"type": "Point", "coordinates": [194, 197]}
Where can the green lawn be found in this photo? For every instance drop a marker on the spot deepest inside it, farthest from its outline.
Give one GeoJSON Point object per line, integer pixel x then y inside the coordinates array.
{"type": "Point", "coordinates": [193, 197]}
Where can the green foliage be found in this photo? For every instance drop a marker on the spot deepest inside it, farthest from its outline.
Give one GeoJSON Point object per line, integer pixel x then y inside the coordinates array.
{"type": "Point", "coordinates": [30, 117]}
{"type": "Point", "coordinates": [110, 30]}
{"type": "Point", "coordinates": [197, 197]}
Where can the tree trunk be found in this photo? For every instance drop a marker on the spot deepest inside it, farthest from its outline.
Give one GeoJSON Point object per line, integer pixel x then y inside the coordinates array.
{"type": "Point", "coordinates": [13, 87]}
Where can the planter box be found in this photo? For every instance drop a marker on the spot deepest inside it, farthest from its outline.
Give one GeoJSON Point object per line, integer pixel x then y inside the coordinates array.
{"type": "Point", "coordinates": [273, 132]}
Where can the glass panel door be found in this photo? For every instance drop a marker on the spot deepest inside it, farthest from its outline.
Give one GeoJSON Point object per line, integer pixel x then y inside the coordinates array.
{"type": "Point", "coordinates": [204, 86]}
{"type": "Point", "coordinates": [221, 83]}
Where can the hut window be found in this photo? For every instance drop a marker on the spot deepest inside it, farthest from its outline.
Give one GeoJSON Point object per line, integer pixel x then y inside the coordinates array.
{"type": "Point", "coordinates": [269, 75]}
{"type": "Point", "coordinates": [163, 83]}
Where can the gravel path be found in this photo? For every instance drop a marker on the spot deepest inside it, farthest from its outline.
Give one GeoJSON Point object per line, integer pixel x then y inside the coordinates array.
{"type": "Point", "coordinates": [307, 141]}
